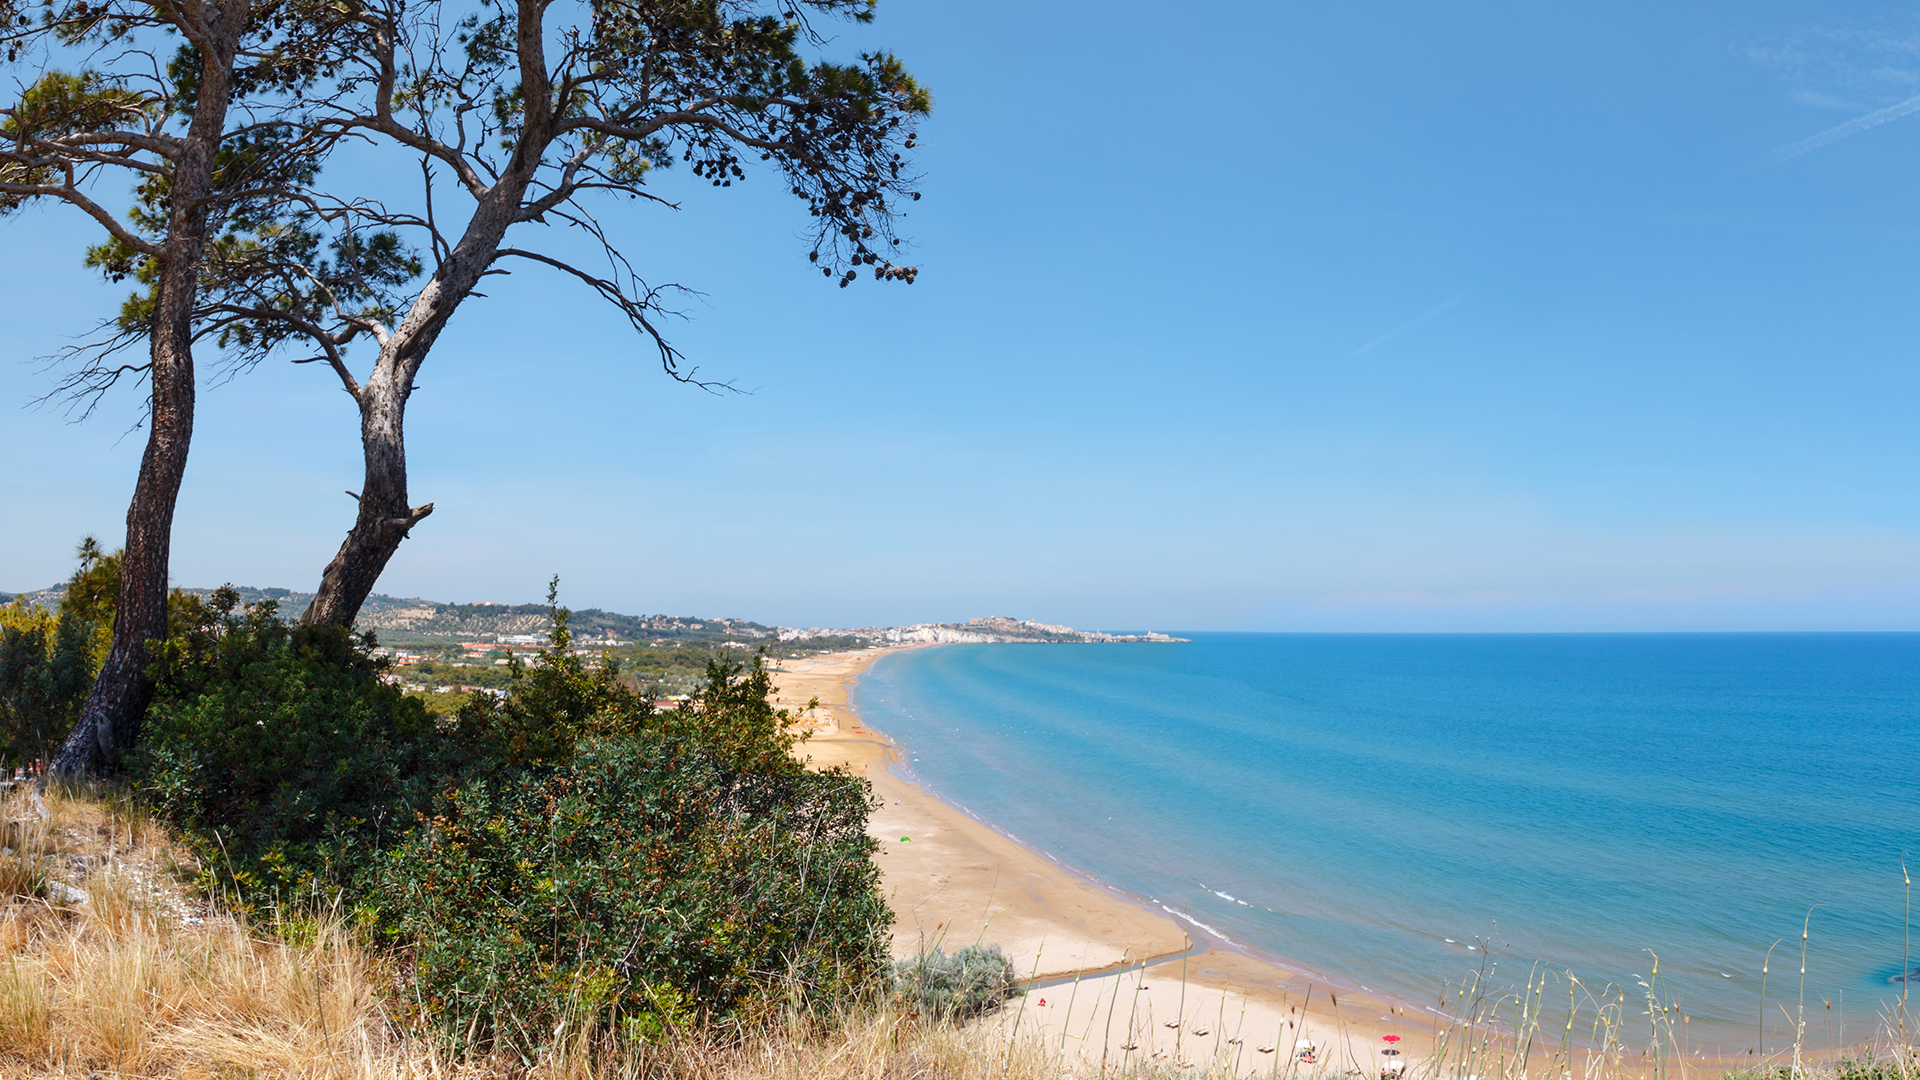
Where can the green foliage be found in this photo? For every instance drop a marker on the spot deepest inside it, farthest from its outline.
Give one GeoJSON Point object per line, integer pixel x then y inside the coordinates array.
{"type": "Point", "coordinates": [60, 105]}
{"type": "Point", "coordinates": [281, 750]}
{"type": "Point", "coordinates": [580, 893]}
{"type": "Point", "coordinates": [955, 986]}
{"type": "Point", "coordinates": [440, 706]}
{"type": "Point", "coordinates": [555, 703]}
{"type": "Point", "coordinates": [604, 863]}
{"type": "Point", "coordinates": [564, 855]}
{"type": "Point", "coordinates": [46, 666]}
{"type": "Point", "coordinates": [64, 104]}
{"type": "Point", "coordinates": [733, 718]}
{"type": "Point", "coordinates": [93, 591]}
{"type": "Point", "coordinates": [93, 594]}
{"type": "Point", "coordinates": [1897, 1064]}
{"type": "Point", "coordinates": [47, 661]}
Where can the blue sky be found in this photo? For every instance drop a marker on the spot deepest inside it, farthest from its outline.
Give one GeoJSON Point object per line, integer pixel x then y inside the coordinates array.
{"type": "Point", "coordinates": [1283, 316]}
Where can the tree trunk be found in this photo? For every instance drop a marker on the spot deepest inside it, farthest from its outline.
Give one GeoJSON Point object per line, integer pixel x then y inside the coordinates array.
{"type": "Point", "coordinates": [110, 721]}
{"type": "Point", "coordinates": [384, 516]}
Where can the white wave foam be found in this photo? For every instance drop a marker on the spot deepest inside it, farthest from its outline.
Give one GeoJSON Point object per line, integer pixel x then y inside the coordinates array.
{"type": "Point", "coordinates": [1198, 923]}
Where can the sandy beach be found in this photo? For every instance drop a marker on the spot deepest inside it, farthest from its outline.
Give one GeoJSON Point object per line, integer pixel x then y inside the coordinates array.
{"type": "Point", "coordinates": [1114, 979]}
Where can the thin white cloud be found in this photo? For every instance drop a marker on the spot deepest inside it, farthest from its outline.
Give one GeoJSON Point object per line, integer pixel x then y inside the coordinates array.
{"type": "Point", "coordinates": [1391, 334]}
{"type": "Point", "coordinates": [1821, 99]}
{"type": "Point", "coordinates": [1851, 127]}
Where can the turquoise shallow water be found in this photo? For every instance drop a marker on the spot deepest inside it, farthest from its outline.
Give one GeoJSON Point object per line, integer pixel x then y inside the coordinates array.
{"type": "Point", "coordinates": [1348, 803]}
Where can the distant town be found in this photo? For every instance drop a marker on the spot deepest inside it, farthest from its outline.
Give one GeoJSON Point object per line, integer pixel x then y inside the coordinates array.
{"type": "Point", "coordinates": [447, 651]}
{"type": "Point", "coordinates": [974, 631]}
{"type": "Point", "coordinates": [399, 620]}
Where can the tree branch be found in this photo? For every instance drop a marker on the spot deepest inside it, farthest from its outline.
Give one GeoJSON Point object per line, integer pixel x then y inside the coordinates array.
{"type": "Point", "coordinates": [329, 343]}
{"type": "Point", "coordinates": [635, 309]}
{"type": "Point", "coordinates": [69, 194]}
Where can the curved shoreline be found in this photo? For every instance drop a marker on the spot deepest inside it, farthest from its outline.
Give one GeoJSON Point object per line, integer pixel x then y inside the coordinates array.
{"type": "Point", "coordinates": [1207, 940]}
{"type": "Point", "coordinates": [1119, 960]}
{"type": "Point", "coordinates": [953, 878]}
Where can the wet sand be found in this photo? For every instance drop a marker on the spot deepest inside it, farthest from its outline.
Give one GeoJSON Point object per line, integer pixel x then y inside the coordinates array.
{"type": "Point", "coordinates": [953, 881]}
{"type": "Point", "coordinates": [1114, 981]}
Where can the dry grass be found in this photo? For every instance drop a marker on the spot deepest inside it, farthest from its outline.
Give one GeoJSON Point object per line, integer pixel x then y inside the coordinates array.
{"type": "Point", "coordinates": [1611, 1035]}
{"type": "Point", "coordinates": [139, 999]}
{"type": "Point", "coordinates": [134, 981]}
{"type": "Point", "coordinates": [139, 980]}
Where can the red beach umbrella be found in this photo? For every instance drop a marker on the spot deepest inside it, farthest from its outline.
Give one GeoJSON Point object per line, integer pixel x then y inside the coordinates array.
{"type": "Point", "coordinates": [1389, 1038]}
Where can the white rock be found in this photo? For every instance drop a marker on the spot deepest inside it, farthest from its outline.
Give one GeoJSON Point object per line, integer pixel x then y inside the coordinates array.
{"type": "Point", "coordinates": [62, 893]}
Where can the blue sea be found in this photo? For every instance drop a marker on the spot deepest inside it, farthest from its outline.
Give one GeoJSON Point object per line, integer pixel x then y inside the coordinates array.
{"type": "Point", "coordinates": [1395, 811]}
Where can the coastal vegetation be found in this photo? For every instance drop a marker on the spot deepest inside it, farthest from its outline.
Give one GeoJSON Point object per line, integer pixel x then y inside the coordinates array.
{"type": "Point", "coordinates": [118, 964]}
{"type": "Point", "coordinates": [563, 846]}
{"type": "Point", "coordinates": [958, 985]}
{"type": "Point", "coordinates": [50, 654]}
{"type": "Point", "coordinates": [238, 241]}
{"type": "Point", "coordinates": [439, 651]}
{"type": "Point", "coordinates": [561, 861]}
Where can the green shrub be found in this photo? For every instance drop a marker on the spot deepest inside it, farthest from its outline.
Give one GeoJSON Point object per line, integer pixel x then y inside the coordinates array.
{"type": "Point", "coordinates": [640, 866]}
{"type": "Point", "coordinates": [48, 660]}
{"type": "Point", "coordinates": [955, 986]}
{"type": "Point", "coordinates": [553, 705]}
{"type": "Point", "coordinates": [280, 750]}
{"type": "Point", "coordinates": [562, 856]}
{"type": "Point", "coordinates": [601, 862]}
{"type": "Point", "coordinates": [46, 667]}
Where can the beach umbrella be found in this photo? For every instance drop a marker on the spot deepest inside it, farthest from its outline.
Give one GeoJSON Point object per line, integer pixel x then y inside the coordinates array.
{"type": "Point", "coordinates": [1391, 1053]}
{"type": "Point", "coordinates": [1390, 1038]}
{"type": "Point", "coordinates": [1304, 1044]}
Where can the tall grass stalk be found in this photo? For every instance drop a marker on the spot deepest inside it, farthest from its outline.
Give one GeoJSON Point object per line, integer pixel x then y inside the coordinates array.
{"type": "Point", "coordinates": [1499, 1036]}
{"type": "Point", "coordinates": [1906, 949]}
{"type": "Point", "coordinates": [1106, 1040]}
{"type": "Point", "coordinates": [1800, 1022]}
{"type": "Point", "coordinates": [1180, 1032]}
{"type": "Point", "coordinates": [1064, 1033]}
{"type": "Point", "coordinates": [1013, 1031]}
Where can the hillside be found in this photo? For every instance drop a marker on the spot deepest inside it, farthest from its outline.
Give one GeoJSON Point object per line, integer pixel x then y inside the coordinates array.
{"type": "Point", "coordinates": [412, 620]}
{"type": "Point", "coordinates": [405, 620]}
